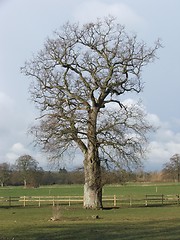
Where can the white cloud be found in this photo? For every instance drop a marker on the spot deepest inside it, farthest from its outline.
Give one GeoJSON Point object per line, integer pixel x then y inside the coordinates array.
{"type": "Point", "coordinates": [165, 143]}
{"type": "Point", "coordinates": [154, 119]}
{"type": "Point", "coordinates": [14, 122]}
{"type": "Point", "coordinates": [18, 148]}
{"type": "Point", "coordinates": [16, 151]}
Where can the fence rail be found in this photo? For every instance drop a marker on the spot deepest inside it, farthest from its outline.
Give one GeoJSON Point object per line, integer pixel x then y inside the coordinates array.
{"type": "Point", "coordinates": [108, 201]}
{"type": "Point", "coordinates": [54, 200]}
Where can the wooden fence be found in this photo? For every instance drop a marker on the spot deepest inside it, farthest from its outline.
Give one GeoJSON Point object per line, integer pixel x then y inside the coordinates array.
{"type": "Point", "coordinates": [108, 201]}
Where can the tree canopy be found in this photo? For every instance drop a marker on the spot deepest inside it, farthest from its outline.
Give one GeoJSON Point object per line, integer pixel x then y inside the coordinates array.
{"type": "Point", "coordinates": [27, 166]}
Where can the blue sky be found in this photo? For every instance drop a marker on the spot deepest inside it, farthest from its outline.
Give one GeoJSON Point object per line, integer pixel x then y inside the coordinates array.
{"type": "Point", "coordinates": [24, 27]}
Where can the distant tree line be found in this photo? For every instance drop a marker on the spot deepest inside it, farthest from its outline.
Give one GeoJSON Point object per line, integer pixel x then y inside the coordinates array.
{"type": "Point", "coordinates": [26, 172]}
{"type": "Point", "coordinates": [17, 175]}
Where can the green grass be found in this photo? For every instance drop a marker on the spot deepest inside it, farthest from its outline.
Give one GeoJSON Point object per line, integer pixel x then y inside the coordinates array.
{"type": "Point", "coordinates": [77, 223]}
{"type": "Point", "coordinates": [60, 190]}
{"type": "Point", "coordinates": [142, 189]}
{"type": "Point", "coordinates": [130, 223]}
{"type": "Point", "coordinates": [73, 190]}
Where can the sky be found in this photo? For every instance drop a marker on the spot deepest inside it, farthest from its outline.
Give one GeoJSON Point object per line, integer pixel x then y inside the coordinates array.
{"type": "Point", "coordinates": [25, 26]}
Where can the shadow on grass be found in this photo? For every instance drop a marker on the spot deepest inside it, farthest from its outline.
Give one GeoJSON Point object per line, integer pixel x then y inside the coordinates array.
{"type": "Point", "coordinates": [106, 231]}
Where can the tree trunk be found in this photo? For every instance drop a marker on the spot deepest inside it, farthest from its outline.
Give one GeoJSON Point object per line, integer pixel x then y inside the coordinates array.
{"type": "Point", "coordinates": [92, 197]}
{"type": "Point", "coordinates": [25, 183]}
{"type": "Point", "coordinates": [92, 186]}
{"type": "Point", "coordinates": [92, 167]}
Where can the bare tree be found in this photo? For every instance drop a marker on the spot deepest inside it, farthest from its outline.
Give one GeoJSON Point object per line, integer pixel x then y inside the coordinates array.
{"type": "Point", "coordinates": [27, 166]}
{"type": "Point", "coordinates": [4, 173]}
{"type": "Point", "coordinates": [172, 168]}
{"type": "Point", "coordinates": [78, 81]}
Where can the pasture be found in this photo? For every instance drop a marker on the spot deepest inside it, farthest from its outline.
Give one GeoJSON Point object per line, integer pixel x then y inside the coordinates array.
{"type": "Point", "coordinates": [74, 222]}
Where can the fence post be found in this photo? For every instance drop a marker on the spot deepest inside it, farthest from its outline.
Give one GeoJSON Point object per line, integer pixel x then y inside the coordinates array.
{"type": "Point", "coordinates": [9, 201]}
{"type": "Point", "coordinates": [53, 202]}
{"type": "Point", "coordinates": [115, 200]}
{"type": "Point", "coordinates": [69, 201]}
{"type": "Point", "coordinates": [24, 201]}
{"type": "Point", "coordinates": [162, 199]}
{"type": "Point", "coordinates": [177, 199]}
{"type": "Point", "coordinates": [146, 202]}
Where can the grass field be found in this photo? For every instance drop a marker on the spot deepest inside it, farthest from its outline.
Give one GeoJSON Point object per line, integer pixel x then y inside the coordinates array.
{"type": "Point", "coordinates": [162, 222]}
{"type": "Point", "coordinates": [72, 190]}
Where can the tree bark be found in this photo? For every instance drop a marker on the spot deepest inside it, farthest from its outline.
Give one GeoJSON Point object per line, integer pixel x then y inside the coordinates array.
{"type": "Point", "coordinates": [92, 167]}
{"type": "Point", "coordinates": [92, 186]}
{"type": "Point", "coordinates": [92, 197]}
{"type": "Point", "coordinates": [25, 183]}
